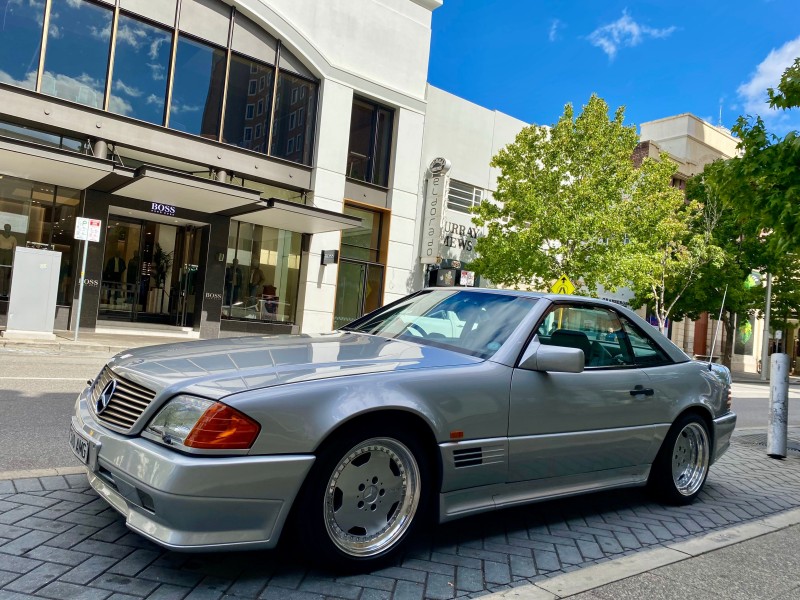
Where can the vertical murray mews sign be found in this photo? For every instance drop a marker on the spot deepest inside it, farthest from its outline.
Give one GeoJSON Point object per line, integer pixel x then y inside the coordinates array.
{"type": "Point", "coordinates": [436, 181]}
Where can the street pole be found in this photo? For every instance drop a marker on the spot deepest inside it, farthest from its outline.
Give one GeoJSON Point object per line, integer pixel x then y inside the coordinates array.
{"type": "Point", "coordinates": [765, 337]}
{"type": "Point", "coordinates": [80, 289]}
{"type": "Point", "coordinates": [778, 406]}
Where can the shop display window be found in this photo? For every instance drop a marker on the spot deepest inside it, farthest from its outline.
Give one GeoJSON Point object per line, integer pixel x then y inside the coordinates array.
{"type": "Point", "coordinates": [37, 215]}
{"type": "Point", "coordinates": [262, 274]}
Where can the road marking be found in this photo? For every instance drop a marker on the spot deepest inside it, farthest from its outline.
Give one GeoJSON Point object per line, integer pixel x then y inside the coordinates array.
{"type": "Point", "coordinates": [46, 378]}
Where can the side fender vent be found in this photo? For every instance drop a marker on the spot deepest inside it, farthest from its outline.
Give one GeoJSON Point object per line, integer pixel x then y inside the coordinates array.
{"type": "Point", "coordinates": [468, 457]}
{"type": "Point", "coordinates": [482, 455]}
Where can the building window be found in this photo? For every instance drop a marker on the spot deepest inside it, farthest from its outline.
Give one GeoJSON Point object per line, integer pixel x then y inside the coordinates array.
{"type": "Point", "coordinates": [262, 275]}
{"type": "Point", "coordinates": [78, 44]}
{"type": "Point", "coordinates": [300, 112]}
{"type": "Point", "coordinates": [197, 90]}
{"type": "Point", "coordinates": [290, 146]}
{"type": "Point", "coordinates": [294, 95]}
{"type": "Point", "coordinates": [258, 131]}
{"type": "Point", "coordinates": [298, 141]}
{"type": "Point", "coordinates": [252, 87]}
{"type": "Point", "coordinates": [370, 143]}
{"type": "Point", "coordinates": [21, 43]}
{"type": "Point", "coordinates": [240, 108]}
{"type": "Point", "coordinates": [261, 83]}
{"type": "Point", "coordinates": [292, 120]}
{"type": "Point", "coordinates": [283, 110]}
{"type": "Point", "coordinates": [141, 64]}
{"type": "Point", "coordinates": [461, 197]}
{"type": "Point", "coordinates": [248, 134]}
{"type": "Point", "coordinates": [253, 69]}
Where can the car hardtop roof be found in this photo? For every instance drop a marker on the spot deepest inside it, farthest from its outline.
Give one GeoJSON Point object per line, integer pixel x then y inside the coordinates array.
{"type": "Point", "coordinates": [529, 294]}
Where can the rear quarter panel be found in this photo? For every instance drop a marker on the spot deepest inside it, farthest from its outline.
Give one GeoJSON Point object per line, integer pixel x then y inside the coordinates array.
{"type": "Point", "coordinates": [688, 384]}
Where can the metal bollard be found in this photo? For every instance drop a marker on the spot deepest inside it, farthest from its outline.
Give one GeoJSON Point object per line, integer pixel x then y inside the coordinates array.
{"type": "Point", "coordinates": [778, 405]}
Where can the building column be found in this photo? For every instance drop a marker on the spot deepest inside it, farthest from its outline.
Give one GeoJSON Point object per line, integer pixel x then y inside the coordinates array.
{"type": "Point", "coordinates": [317, 295]}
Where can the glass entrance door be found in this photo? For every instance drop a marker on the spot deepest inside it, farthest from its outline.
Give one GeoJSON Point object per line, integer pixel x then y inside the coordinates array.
{"type": "Point", "coordinates": [187, 251]}
{"type": "Point", "coordinates": [120, 293]}
{"type": "Point", "coordinates": [149, 272]}
{"type": "Point", "coordinates": [358, 290]}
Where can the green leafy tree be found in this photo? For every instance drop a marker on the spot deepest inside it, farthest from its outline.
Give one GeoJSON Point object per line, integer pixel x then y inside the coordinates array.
{"type": "Point", "coordinates": [670, 241]}
{"type": "Point", "coordinates": [742, 249]}
{"type": "Point", "coordinates": [560, 205]}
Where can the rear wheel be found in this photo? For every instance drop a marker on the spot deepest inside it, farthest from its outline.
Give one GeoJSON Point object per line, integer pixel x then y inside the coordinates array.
{"type": "Point", "coordinates": [681, 467]}
{"type": "Point", "coordinates": [364, 497]}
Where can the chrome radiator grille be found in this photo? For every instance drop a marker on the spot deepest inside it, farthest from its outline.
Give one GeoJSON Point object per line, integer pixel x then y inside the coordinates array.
{"type": "Point", "coordinates": [125, 405]}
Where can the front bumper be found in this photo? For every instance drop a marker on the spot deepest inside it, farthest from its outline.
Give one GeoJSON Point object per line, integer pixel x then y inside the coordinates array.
{"type": "Point", "coordinates": [723, 429]}
{"type": "Point", "coordinates": [191, 503]}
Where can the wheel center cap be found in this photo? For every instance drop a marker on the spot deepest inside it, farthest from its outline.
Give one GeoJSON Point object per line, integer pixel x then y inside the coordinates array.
{"type": "Point", "coordinates": [371, 494]}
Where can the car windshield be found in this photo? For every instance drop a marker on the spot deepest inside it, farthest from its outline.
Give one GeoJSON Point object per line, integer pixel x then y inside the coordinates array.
{"type": "Point", "coordinates": [475, 323]}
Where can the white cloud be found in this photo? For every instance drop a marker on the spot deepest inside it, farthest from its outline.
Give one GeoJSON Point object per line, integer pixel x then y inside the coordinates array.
{"type": "Point", "coordinates": [103, 34]}
{"type": "Point", "coordinates": [153, 99]}
{"type": "Point", "coordinates": [119, 105]}
{"type": "Point", "coordinates": [130, 35]}
{"type": "Point", "coordinates": [624, 32]}
{"type": "Point", "coordinates": [155, 45]}
{"type": "Point", "coordinates": [127, 89]}
{"type": "Point", "coordinates": [178, 108]}
{"type": "Point", "coordinates": [29, 82]}
{"type": "Point", "coordinates": [753, 93]}
{"type": "Point", "coordinates": [552, 35]}
{"type": "Point", "coordinates": [157, 72]}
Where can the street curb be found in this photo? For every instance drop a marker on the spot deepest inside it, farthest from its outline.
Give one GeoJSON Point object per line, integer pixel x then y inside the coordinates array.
{"type": "Point", "coordinates": [600, 574]}
{"type": "Point", "coordinates": [32, 473]}
{"type": "Point", "coordinates": [59, 347]}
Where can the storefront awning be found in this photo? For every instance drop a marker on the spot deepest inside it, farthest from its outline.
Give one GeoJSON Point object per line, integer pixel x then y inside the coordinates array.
{"type": "Point", "coordinates": [55, 166]}
{"type": "Point", "coordinates": [156, 184]}
{"type": "Point", "coordinates": [283, 214]}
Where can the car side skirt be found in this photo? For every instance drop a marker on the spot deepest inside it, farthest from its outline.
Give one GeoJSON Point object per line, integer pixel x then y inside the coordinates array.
{"type": "Point", "coordinates": [457, 504]}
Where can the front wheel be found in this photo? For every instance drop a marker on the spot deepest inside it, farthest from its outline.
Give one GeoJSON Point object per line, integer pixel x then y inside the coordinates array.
{"type": "Point", "coordinates": [681, 467]}
{"type": "Point", "coordinates": [363, 499]}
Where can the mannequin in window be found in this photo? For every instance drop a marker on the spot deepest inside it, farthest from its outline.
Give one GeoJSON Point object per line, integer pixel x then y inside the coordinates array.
{"type": "Point", "coordinates": [256, 281]}
{"type": "Point", "coordinates": [112, 274]}
{"type": "Point", "coordinates": [233, 282]}
{"type": "Point", "coordinates": [8, 244]}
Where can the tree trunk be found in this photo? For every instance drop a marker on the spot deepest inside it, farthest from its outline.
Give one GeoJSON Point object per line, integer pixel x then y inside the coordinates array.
{"type": "Point", "coordinates": [726, 356]}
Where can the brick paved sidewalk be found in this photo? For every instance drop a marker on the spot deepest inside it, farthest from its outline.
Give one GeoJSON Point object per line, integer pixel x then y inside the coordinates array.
{"type": "Point", "coordinates": [59, 540]}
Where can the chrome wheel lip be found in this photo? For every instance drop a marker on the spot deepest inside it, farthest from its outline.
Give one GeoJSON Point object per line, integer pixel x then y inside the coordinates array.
{"type": "Point", "coordinates": [690, 459]}
{"type": "Point", "coordinates": [402, 517]}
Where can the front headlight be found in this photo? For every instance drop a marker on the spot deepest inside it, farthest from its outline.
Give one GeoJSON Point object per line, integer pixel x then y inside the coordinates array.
{"type": "Point", "coordinates": [186, 421]}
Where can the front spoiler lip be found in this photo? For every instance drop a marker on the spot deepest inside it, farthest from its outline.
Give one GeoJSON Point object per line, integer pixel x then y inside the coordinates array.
{"type": "Point", "coordinates": [250, 495]}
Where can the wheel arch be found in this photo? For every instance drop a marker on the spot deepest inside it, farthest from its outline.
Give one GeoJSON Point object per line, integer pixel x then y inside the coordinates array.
{"type": "Point", "coordinates": [396, 417]}
{"type": "Point", "coordinates": [704, 413]}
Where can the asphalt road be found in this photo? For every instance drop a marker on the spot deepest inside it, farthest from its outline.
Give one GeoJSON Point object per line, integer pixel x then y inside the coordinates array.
{"type": "Point", "coordinates": [38, 391]}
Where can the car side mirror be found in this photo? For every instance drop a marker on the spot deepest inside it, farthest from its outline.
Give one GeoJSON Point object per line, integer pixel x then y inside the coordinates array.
{"type": "Point", "coordinates": [556, 359]}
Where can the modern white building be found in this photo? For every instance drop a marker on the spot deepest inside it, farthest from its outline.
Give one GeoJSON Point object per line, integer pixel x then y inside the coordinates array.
{"type": "Point", "coordinates": [255, 165]}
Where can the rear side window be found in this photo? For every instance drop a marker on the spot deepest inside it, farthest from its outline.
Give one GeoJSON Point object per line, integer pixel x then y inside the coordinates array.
{"type": "Point", "coordinates": [646, 352]}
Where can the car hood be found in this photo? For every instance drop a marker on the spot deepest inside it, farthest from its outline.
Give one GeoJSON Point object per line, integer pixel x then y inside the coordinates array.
{"type": "Point", "coordinates": [218, 368]}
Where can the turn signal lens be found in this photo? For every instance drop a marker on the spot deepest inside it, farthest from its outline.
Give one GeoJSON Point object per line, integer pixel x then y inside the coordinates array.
{"type": "Point", "coordinates": [729, 403]}
{"type": "Point", "coordinates": [190, 422]}
{"type": "Point", "coordinates": [223, 428]}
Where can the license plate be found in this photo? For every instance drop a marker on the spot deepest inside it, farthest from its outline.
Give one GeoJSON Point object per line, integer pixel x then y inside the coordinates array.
{"type": "Point", "coordinates": [79, 445]}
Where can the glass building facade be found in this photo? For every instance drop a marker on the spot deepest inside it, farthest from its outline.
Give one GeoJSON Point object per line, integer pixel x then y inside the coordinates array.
{"type": "Point", "coordinates": [229, 81]}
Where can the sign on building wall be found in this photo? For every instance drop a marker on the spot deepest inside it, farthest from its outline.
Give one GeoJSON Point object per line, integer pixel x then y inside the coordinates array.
{"type": "Point", "coordinates": [436, 181]}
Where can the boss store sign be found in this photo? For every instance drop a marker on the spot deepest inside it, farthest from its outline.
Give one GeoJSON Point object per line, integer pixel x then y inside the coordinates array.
{"type": "Point", "coordinates": [162, 209]}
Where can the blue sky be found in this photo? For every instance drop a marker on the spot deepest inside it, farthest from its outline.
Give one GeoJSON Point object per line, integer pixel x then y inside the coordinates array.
{"type": "Point", "coordinates": [528, 58]}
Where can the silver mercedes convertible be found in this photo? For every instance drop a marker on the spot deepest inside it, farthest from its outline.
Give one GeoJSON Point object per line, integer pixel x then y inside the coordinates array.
{"type": "Point", "coordinates": [446, 403]}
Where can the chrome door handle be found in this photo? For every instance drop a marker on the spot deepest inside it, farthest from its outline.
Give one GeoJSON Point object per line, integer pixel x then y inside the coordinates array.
{"type": "Point", "coordinates": [642, 390]}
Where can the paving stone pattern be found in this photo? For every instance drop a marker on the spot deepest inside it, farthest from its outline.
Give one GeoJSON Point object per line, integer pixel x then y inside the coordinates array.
{"type": "Point", "coordinates": [58, 540]}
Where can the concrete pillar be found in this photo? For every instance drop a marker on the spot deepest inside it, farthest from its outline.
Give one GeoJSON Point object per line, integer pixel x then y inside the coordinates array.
{"type": "Point", "coordinates": [100, 148]}
{"type": "Point", "coordinates": [221, 175]}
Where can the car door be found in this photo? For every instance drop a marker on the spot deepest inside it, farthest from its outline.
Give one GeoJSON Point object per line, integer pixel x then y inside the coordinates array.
{"type": "Point", "coordinates": [568, 424]}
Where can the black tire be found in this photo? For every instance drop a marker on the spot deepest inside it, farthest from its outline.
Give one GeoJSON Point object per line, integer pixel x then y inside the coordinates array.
{"type": "Point", "coordinates": [680, 469]}
{"type": "Point", "coordinates": [365, 497]}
